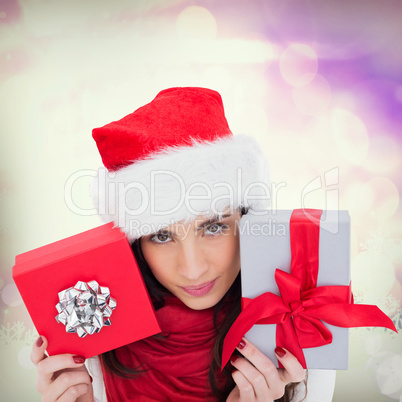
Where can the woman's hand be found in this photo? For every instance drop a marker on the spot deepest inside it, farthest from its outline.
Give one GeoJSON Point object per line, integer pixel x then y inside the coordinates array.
{"type": "Point", "coordinates": [257, 378]}
{"type": "Point", "coordinates": [61, 378]}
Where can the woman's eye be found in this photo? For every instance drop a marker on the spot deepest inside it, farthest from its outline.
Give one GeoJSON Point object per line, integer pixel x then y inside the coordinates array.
{"type": "Point", "coordinates": [217, 228]}
{"type": "Point", "coordinates": [160, 238]}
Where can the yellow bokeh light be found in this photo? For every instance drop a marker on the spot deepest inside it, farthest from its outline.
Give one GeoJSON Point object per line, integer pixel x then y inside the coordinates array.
{"type": "Point", "coordinates": [258, 122]}
{"type": "Point", "coordinates": [197, 23]}
{"type": "Point", "coordinates": [350, 135]}
{"type": "Point", "coordinates": [298, 64]}
{"type": "Point", "coordinates": [217, 77]}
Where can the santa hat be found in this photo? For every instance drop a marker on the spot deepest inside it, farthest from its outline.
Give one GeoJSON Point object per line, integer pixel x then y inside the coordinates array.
{"type": "Point", "coordinates": [173, 160]}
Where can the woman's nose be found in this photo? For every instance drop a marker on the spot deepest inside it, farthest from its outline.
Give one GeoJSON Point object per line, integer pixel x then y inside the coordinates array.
{"type": "Point", "coordinates": [192, 262]}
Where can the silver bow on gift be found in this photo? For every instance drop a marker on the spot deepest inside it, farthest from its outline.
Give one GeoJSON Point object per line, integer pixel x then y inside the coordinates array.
{"type": "Point", "coordinates": [85, 308]}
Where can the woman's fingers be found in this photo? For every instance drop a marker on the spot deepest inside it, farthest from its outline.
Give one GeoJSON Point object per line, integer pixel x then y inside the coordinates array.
{"type": "Point", "coordinates": [73, 393]}
{"type": "Point", "coordinates": [60, 377]}
{"type": "Point", "coordinates": [68, 386]}
{"type": "Point", "coordinates": [37, 356]}
{"type": "Point", "coordinates": [48, 368]}
{"type": "Point", "coordinates": [293, 371]}
{"type": "Point", "coordinates": [244, 391]}
{"type": "Point", "coordinates": [257, 375]}
{"type": "Point", "coordinates": [251, 382]}
{"type": "Point", "coordinates": [38, 350]}
{"type": "Point", "coordinates": [268, 375]}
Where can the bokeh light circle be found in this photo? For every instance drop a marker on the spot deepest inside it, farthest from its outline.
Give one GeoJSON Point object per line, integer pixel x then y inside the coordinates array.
{"type": "Point", "coordinates": [217, 77]}
{"type": "Point", "coordinates": [389, 375]}
{"type": "Point", "coordinates": [383, 155]}
{"type": "Point", "coordinates": [350, 135]}
{"type": "Point", "coordinates": [10, 295]}
{"type": "Point", "coordinates": [24, 358]}
{"type": "Point", "coordinates": [314, 97]}
{"type": "Point", "coordinates": [298, 64]}
{"type": "Point", "coordinates": [372, 276]}
{"type": "Point", "coordinates": [196, 23]}
{"type": "Point", "coordinates": [385, 197]}
{"type": "Point", "coordinates": [372, 343]}
{"type": "Point", "coordinates": [359, 198]}
{"type": "Point", "coordinates": [257, 123]}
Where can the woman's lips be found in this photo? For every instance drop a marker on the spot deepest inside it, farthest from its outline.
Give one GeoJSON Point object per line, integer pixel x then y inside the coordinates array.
{"type": "Point", "coordinates": [199, 290]}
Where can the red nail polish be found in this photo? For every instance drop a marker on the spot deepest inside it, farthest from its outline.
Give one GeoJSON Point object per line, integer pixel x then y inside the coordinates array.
{"type": "Point", "coordinates": [39, 342]}
{"type": "Point", "coordinates": [242, 344]}
{"type": "Point", "coordinates": [280, 352]}
{"type": "Point", "coordinates": [233, 359]}
{"type": "Point", "coordinates": [91, 378]}
{"type": "Point", "coordinates": [79, 359]}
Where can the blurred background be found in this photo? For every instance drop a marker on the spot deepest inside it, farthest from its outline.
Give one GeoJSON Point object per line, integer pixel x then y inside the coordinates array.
{"type": "Point", "coordinates": [318, 83]}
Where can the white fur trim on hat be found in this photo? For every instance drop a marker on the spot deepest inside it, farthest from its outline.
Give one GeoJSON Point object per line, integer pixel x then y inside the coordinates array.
{"type": "Point", "coordinates": [182, 183]}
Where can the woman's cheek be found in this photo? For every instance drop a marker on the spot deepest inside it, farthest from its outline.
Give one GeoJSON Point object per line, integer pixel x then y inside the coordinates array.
{"type": "Point", "coordinates": [227, 254]}
{"type": "Point", "coordinates": [158, 258]}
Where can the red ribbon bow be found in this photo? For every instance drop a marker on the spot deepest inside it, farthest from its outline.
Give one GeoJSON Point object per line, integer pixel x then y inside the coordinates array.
{"type": "Point", "coordinates": [301, 308]}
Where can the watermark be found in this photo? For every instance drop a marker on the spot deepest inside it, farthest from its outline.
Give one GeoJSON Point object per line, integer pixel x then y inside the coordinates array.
{"type": "Point", "coordinates": [328, 187]}
{"type": "Point", "coordinates": [165, 193]}
{"type": "Point", "coordinates": [220, 227]}
{"type": "Point", "coordinates": [270, 227]}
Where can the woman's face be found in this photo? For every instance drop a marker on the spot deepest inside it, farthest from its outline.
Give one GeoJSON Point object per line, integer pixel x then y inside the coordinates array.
{"type": "Point", "coordinates": [197, 262]}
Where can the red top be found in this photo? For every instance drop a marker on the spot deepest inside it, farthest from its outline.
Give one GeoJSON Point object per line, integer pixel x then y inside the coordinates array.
{"type": "Point", "coordinates": [177, 361]}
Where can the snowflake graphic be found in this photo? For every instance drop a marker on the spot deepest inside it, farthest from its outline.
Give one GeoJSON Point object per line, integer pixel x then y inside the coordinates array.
{"type": "Point", "coordinates": [380, 242]}
{"type": "Point", "coordinates": [16, 332]}
{"type": "Point", "coordinates": [397, 320]}
{"type": "Point", "coordinates": [388, 304]}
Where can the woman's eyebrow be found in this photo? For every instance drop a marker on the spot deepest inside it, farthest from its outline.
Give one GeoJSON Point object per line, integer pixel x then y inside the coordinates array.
{"type": "Point", "coordinates": [214, 219]}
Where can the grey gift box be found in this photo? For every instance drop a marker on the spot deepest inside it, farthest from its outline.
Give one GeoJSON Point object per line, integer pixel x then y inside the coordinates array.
{"type": "Point", "coordinates": [265, 246]}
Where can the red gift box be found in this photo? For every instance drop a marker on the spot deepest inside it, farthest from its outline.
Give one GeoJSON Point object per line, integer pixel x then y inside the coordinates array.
{"type": "Point", "coordinates": [103, 255]}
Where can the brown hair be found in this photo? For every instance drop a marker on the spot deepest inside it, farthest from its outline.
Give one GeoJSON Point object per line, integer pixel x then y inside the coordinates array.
{"type": "Point", "coordinates": [221, 384]}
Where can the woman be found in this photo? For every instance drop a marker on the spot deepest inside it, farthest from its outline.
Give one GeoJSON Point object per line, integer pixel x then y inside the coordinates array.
{"type": "Point", "coordinates": [178, 184]}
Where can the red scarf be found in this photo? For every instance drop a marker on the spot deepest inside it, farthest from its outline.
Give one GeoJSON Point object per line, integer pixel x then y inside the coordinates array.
{"type": "Point", "coordinates": [177, 360]}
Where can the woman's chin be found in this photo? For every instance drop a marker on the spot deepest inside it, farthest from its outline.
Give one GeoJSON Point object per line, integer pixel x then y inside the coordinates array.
{"type": "Point", "coordinates": [199, 303]}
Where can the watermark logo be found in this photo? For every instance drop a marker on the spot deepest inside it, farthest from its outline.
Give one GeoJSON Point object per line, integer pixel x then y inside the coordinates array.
{"type": "Point", "coordinates": [165, 193]}
{"type": "Point", "coordinates": [329, 220]}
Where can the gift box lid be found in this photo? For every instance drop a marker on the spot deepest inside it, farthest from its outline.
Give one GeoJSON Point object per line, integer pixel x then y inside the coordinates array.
{"type": "Point", "coordinates": [104, 255]}
{"type": "Point", "coordinates": [75, 244]}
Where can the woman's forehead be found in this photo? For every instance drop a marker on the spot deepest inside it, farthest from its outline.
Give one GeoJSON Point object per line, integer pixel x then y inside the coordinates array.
{"type": "Point", "coordinates": [198, 223]}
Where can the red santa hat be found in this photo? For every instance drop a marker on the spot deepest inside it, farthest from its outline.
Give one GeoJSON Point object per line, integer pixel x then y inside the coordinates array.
{"type": "Point", "coordinates": [173, 160]}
